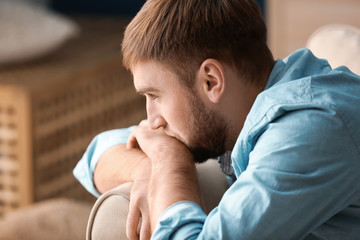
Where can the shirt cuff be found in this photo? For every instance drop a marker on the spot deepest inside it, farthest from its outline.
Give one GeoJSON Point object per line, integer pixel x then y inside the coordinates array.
{"type": "Point", "coordinates": [182, 220]}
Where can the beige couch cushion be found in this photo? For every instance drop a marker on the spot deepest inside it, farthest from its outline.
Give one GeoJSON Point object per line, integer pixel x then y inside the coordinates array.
{"type": "Point", "coordinates": [28, 31]}
{"type": "Point", "coordinates": [339, 44]}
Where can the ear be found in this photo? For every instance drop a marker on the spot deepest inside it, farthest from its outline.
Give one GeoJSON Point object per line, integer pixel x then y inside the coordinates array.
{"type": "Point", "coordinates": [212, 79]}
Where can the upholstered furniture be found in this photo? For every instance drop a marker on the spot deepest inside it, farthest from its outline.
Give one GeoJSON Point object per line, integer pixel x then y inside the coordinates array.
{"type": "Point", "coordinates": [108, 217]}
{"type": "Point", "coordinates": [339, 44]}
{"type": "Point", "coordinates": [290, 22]}
{"type": "Point", "coordinates": [28, 31]}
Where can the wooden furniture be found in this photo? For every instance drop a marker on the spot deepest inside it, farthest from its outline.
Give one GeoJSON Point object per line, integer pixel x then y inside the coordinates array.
{"type": "Point", "coordinates": [51, 108]}
{"type": "Point", "coordinates": [291, 22]}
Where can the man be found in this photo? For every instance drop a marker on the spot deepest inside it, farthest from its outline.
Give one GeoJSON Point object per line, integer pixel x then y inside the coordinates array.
{"type": "Point", "coordinates": [212, 86]}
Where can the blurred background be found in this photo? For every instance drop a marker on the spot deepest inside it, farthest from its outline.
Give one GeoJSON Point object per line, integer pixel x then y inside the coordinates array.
{"type": "Point", "coordinates": [62, 82]}
{"type": "Point", "coordinates": [108, 7]}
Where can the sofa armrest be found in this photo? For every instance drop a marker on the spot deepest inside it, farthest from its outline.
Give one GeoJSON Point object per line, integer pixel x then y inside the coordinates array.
{"type": "Point", "coordinates": [108, 217]}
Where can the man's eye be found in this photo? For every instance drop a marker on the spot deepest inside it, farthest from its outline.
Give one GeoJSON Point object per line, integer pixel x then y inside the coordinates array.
{"type": "Point", "coordinates": [152, 96]}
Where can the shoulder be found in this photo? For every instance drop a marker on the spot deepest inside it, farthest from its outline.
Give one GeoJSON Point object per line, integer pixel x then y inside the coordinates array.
{"type": "Point", "coordinates": [309, 109]}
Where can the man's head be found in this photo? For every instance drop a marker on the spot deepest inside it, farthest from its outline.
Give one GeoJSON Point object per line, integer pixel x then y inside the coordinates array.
{"type": "Point", "coordinates": [192, 59]}
{"type": "Point", "coordinates": [182, 113]}
{"type": "Point", "coordinates": [182, 34]}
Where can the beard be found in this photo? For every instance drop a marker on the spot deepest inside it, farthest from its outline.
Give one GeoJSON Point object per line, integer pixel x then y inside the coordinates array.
{"type": "Point", "coordinates": [208, 129]}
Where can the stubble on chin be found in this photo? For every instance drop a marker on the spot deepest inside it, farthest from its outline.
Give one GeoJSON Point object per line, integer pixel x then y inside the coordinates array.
{"type": "Point", "coordinates": [208, 131]}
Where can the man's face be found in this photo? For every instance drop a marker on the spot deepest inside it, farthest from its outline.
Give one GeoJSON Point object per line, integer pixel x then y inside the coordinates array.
{"type": "Point", "coordinates": [180, 112]}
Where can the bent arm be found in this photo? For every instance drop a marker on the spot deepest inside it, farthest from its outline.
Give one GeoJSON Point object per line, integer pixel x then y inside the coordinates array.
{"type": "Point", "coordinates": [295, 181]}
{"type": "Point", "coordinates": [84, 170]}
{"type": "Point", "coordinates": [172, 180]}
{"type": "Point", "coordinates": [119, 165]}
{"type": "Point", "coordinates": [173, 174]}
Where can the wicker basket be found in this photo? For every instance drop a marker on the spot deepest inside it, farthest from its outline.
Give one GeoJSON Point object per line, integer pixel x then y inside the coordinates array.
{"type": "Point", "coordinates": [50, 110]}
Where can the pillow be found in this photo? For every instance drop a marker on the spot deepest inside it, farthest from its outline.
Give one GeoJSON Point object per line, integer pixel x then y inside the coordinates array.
{"type": "Point", "coordinates": [29, 31]}
{"type": "Point", "coordinates": [339, 44]}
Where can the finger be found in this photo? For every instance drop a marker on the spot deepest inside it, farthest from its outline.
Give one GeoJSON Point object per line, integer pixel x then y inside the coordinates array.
{"type": "Point", "coordinates": [132, 222]}
{"type": "Point", "coordinates": [144, 123]}
{"type": "Point", "coordinates": [135, 137]}
{"type": "Point", "coordinates": [145, 231]}
{"type": "Point", "coordinates": [132, 142]}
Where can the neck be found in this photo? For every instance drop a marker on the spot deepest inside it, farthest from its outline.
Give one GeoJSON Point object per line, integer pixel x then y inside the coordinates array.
{"type": "Point", "coordinates": [241, 98]}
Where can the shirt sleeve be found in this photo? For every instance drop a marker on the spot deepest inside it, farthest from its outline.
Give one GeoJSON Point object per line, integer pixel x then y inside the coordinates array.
{"type": "Point", "coordinates": [301, 172]}
{"type": "Point", "coordinates": [84, 169]}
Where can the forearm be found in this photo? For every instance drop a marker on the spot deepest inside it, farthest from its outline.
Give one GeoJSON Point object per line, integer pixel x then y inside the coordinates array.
{"type": "Point", "coordinates": [119, 165]}
{"type": "Point", "coordinates": [173, 174]}
{"type": "Point", "coordinates": [171, 183]}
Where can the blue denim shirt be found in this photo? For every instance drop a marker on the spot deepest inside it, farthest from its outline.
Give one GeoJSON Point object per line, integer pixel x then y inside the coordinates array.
{"type": "Point", "coordinates": [297, 162]}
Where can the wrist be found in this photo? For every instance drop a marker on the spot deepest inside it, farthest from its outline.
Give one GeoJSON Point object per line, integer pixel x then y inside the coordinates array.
{"type": "Point", "coordinates": [169, 186]}
{"type": "Point", "coordinates": [142, 170]}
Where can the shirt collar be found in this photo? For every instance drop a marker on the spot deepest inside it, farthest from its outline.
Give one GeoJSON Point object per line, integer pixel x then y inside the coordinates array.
{"type": "Point", "coordinates": [275, 74]}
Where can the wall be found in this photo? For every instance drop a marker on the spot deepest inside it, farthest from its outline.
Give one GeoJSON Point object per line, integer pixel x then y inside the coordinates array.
{"type": "Point", "coordinates": [291, 22]}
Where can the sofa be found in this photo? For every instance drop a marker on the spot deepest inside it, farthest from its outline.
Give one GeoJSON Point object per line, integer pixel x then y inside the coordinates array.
{"type": "Point", "coordinates": [108, 216]}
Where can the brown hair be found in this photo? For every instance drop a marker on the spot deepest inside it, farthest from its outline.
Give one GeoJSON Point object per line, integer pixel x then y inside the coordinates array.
{"type": "Point", "coordinates": [181, 34]}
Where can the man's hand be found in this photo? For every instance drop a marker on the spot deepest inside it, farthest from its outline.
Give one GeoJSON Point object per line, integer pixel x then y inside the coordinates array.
{"type": "Point", "coordinates": [173, 175]}
{"type": "Point", "coordinates": [158, 146]}
{"type": "Point", "coordinates": [138, 209]}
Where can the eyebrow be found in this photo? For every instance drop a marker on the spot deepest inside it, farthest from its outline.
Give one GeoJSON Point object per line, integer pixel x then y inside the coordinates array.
{"type": "Point", "coordinates": [146, 90]}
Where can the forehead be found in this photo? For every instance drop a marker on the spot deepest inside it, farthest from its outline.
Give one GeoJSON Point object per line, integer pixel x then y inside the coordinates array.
{"type": "Point", "coordinates": [152, 75]}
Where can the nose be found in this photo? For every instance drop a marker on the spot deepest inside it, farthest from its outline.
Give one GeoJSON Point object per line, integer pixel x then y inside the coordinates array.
{"type": "Point", "coordinates": [156, 122]}
{"type": "Point", "coordinates": [155, 118]}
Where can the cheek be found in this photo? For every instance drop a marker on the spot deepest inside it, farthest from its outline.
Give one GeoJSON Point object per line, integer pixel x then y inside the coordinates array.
{"type": "Point", "coordinates": [177, 117]}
